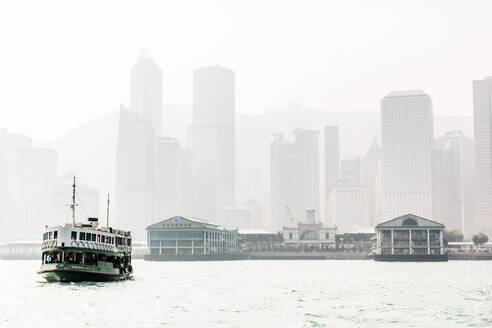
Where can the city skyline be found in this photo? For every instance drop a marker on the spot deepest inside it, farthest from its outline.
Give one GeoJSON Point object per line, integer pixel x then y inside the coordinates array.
{"type": "Point", "coordinates": [351, 171]}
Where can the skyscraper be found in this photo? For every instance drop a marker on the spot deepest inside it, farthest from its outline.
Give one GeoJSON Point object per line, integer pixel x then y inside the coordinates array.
{"type": "Point", "coordinates": [134, 172]}
{"type": "Point", "coordinates": [294, 177]}
{"type": "Point", "coordinates": [332, 164]}
{"type": "Point", "coordinates": [146, 91]}
{"type": "Point", "coordinates": [482, 119]}
{"type": "Point", "coordinates": [407, 144]}
{"type": "Point", "coordinates": [11, 148]}
{"type": "Point", "coordinates": [212, 140]}
{"type": "Point", "coordinates": [168, 178]}
{"type": "Point", "coordinates": [138, 127]}
{"type": "Point", "coordinates": [349, 208]}
{"type": "Point", "coordinates": [351, 172]}
{"type": "Point", "coordinates": [453, 181]}
{"type": "Point", "coordinates": [37, 178]}
{"type": "Point", "coordinates": [371, 179]}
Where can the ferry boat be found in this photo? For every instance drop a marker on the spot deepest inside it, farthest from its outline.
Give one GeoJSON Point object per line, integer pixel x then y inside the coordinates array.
{"type": "Point", "coordinates": [85, 251]}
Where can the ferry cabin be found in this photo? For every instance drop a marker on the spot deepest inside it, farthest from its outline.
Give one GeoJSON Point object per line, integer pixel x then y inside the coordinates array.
{"type": "Point", "coordinates": [409, 236]}
{"type": "Point", "coordinates": [85, 245]}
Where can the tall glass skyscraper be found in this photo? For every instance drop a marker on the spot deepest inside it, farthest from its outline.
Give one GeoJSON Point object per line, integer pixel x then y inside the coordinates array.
{"type": "Point", "coordinates": [482, 122]}
{"type": "Point", "coordinates": [212, 141]}
{"type": "Point", "coordinates": [407, 144]}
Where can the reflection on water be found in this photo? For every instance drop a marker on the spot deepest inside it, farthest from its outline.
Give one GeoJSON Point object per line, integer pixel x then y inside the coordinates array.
{"type": "Point", "coordinates": [255, 294]}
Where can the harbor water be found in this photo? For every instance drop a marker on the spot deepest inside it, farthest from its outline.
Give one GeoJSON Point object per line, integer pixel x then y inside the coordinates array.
{"type": "Point", "coordinates": [256, 294]}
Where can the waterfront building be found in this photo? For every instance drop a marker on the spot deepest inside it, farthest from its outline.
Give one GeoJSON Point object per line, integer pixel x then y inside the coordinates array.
{"type": "Point", "coordinates": [309, 234]}
{"type": "Point", "coordinates": [186, 238]}
{"type": "Point", "coordinates": [453, 181]}
{"type": "Point", "coordinates": [482, 118]}
{"type": "Point", "coordinates": [371, 180]}
{"type": "Point", "coordinates": [349, 208]}
{"type": "Point", "coordinates": [294, 177]}
{"type": "Point", "coordinates": [364, 239]}
{"type": "Point", "coordinates": [332, 165]}
{"type": "Point", "coordinates": [407, 145]}
{"type": "Point", "coordinates": [254, 240]}
{"type": "Point", "coordinates": [410, 237]}
{"type": "Point", "coordinates": [212, 141]}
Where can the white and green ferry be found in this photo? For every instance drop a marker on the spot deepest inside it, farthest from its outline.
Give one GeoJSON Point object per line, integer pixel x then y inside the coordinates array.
{"type": "Point", "coordinates": [85, 251]}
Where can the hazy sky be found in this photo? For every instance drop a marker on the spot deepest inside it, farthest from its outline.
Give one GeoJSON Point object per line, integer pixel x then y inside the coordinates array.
{"type": "Point", "coordinates": [64, 62]}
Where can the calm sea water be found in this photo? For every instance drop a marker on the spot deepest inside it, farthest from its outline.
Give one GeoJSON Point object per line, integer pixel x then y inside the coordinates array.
{"type": "Point", "coordinates": [256, 294]}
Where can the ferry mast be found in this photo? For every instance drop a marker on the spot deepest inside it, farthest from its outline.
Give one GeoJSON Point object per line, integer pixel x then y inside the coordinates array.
{"type": "Point", "coordinates": [72, 206]}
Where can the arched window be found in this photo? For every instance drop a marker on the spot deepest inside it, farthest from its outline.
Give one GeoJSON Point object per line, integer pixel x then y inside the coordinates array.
{"type": "Point", "coordinates": [409, 222]}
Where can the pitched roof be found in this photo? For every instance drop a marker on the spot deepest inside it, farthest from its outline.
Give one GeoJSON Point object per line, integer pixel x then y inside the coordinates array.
{"type": "Point", "coordinates": [195, 223]}
{"type": "Point", "coordinates": [399, 222]}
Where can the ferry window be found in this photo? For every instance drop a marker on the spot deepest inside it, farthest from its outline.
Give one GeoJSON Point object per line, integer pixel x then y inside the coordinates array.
{"type": "Point", "coordinates": [98, 238]}
{"type": "Point", "coordinates": [74, 235]}
{"type": "Point", "coordinates": [44, 236]}
{"type": "Point", "coordinates": [129, 242]}
{"type": "Point", "coordinates": [82, 236]}
{"type": "Point", "coordinates": [93, 237]}
{"type": "Point", "coordinates": [49, 235]}
{"type": "Point", "coordinates": [55, 234]}
{"type": "Point", "coordinates": [327, 235]}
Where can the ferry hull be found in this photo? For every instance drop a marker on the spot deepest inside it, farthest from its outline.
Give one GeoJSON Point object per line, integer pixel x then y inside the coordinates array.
{"type": "Point", "coordinates": [78, 276]}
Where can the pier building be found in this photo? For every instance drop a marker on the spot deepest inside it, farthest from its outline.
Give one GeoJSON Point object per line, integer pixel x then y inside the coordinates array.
{"type": "Point", "coordinates": [410, 238]}
{"type": "Point", "coordinates": [180, 238]}
{"type": "Point", "coordinates": [309, 234]}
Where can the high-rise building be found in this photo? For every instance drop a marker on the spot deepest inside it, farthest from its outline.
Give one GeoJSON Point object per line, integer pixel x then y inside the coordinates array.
{"type": "Point", "coordinates": [349, 208]}
{"type": "Point", "coordinates": [37, 177]}
{"type": "Point", "coordinates": [482, 119]}
{"type": "Point", "coordinates": [453, 181]}
{"type": "Point", "coordinates": [240, 217]}
{"type": "Point", "coordinates": [294, 177]}
{"type": "Point", "coordinates": [212, 141]}
{"type": "Point", "coordinates": [134, 173]}
{"type": "Point", "coordinates": [351, 172]}
{"type": "Point", "coordinates": [168, 178]}
{"type": "Point", "coordinates": [407, 145]}
{"type": "Point", "coordinates": [371, 180]}
{"type": "Point", "coordinates": [146, 91]}
{"type": "Point", "coordinates": [138, 128]}
{"type": "Point", "coordinates": [11, 148]}
{"type": "Point", "coordinates": [332, 165]}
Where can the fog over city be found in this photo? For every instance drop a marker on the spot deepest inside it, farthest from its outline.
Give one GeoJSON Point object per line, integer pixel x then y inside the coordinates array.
{"type": "Point", "coordinates": [166, 106]}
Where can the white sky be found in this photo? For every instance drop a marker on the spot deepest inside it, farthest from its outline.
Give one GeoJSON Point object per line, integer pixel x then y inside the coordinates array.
{"type": "Point", "coordinates": [65, 62]}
